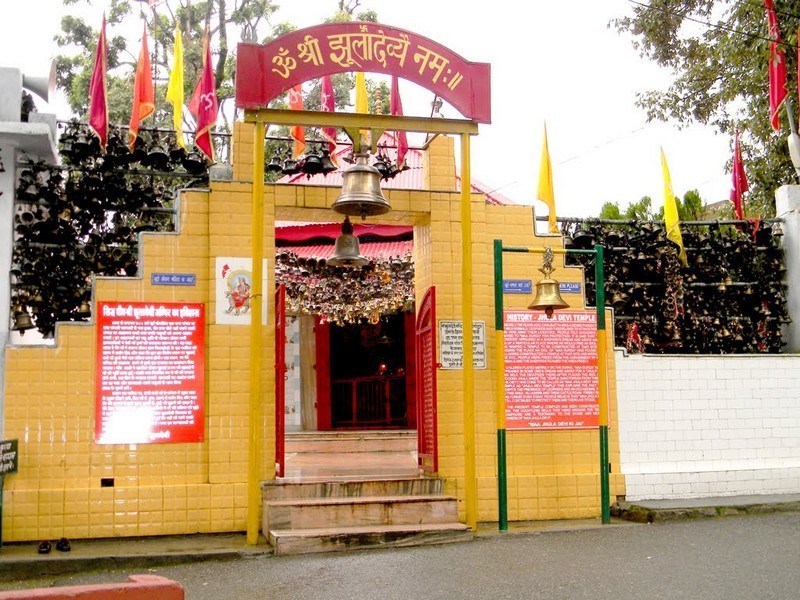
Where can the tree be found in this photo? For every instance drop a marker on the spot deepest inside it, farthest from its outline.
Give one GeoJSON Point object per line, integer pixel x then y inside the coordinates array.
{"type": "Point", "coordinates": [610, 210]}
{"type": "Point", "coordinates": [719, 52]}
{"type": "Point", "coordinates": [227, 19]}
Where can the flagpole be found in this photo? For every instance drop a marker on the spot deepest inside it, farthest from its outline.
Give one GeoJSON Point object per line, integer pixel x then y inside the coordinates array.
{"type": "Point", "coordinates": [792, 126]}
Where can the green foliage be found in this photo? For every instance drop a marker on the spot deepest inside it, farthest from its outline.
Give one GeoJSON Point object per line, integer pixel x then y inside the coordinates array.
{"type": "Point", "coordinates": [610, 210]}
{"type": "Point", "coordinates": [721, 77]}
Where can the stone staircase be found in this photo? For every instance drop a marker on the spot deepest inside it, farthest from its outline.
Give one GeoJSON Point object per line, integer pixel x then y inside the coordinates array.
{"type": "Point", "coordinates": [355, 490]}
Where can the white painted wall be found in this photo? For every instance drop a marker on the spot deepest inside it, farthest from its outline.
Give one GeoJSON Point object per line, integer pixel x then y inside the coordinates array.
{"type": "Point", "coordinates": [700, 426]}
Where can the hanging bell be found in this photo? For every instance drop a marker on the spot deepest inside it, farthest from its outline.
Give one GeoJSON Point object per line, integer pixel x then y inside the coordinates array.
{"type": "Point", "coordinates": [361, 191]}
{"type": "Point", "coordinates": [346, 252]}
{"type": "Point", "coordinates": [157, 158]}
{"type": "Point", "coordinates": [275, 164]}
{"type": "Point", "coordinates": [194, 163]}
{"type": "Point", "coordinates": [547, 296]}
{"type": "Point", "coordinates": [328, 166]}
{"type": "Point", "coordinates": [290, 166]}
{"type": "Point", "coordinates": [84, 310]}
{"type": "Point", "coordinates": [312, 164]}
{"type": "Point", "coordinates": [22, 321]}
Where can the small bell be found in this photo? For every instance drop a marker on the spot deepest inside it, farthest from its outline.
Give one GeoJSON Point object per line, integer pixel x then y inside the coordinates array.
{"type": "Point", "coordinates": [547, 294]}
{"type": "Point", "coordinates": [275, 164]}
{"type": "Point", "coordinates": [22, 321]}
{"type": "Point", "coordinates": [157, 158]}
{"type": "Point", "coordinates": [290, 167]}
{"type": "Point", "coordinates": [312, 164]}
{"type": "Point", "coordinates": [194, 163]}
{"type": "Point", "coordinates": [328, 165]}
{"type": "Point", "coordinates": [346, 252]}
{"type": "Point", "coordinates": [361, 191]}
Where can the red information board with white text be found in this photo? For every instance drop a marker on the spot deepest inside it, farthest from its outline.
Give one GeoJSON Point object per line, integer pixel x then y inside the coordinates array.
{"type": "Point", "coordinates": [551, 370]}
{"type": "Point", "coordinates": [149, 373]}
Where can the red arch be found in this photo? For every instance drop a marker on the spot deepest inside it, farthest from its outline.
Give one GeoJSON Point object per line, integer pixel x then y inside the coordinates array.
{"type": "Point", "coordinates": [264, 72]}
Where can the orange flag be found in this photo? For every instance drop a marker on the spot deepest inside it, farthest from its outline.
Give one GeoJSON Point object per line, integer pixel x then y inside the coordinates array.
{"type": "Point", "coordinates": [144, 100]}
{"type": "Point", "coordinates": [98, 96]}
{"type": "Point", "coordinates": [297, 132]}
{"type": "Point", "coordinates": [203, 104]}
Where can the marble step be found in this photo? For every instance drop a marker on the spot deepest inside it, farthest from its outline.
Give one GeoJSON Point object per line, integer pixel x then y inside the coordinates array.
{"type": "Point", "coordinates": [315, 442]}
{"type": "Point", "coordinates": [404, 486]}
{"type": "Point", "coordinates": [336, 539]}
{"type": "Point", "coordinates": [315, 513]}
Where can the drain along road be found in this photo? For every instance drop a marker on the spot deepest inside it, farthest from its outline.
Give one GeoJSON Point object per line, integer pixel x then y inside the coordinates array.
{"type": "Point", "coordinates": [749, 557]}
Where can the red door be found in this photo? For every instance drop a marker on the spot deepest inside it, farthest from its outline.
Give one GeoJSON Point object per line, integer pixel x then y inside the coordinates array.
{"type": "Point", "coordinates": [427, 447]}
{"type": "Point", "coordinates": [280, 378]}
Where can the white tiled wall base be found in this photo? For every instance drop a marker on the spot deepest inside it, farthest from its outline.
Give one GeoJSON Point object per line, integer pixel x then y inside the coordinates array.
{"type": "Point", "coordinates": [695, 426]}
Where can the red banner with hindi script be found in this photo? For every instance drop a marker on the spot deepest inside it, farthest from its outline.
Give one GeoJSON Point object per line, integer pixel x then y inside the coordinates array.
{"type": "Point", "coordinates": [150, 373]}
{"type": "Point", "coordinates": [551, 370]}
{"type": "Point", "coordinates": [264, 72]}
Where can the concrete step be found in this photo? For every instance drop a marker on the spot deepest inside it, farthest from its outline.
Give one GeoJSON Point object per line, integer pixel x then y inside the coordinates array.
{"type": "Point", "coordinates": [319, 442]}
{"type": "Point", "coordinates": [315, 513]}
{"type": "Point", "coordinates": [404, 486]}
{"type": "Point", "coordinates": [336, 539]}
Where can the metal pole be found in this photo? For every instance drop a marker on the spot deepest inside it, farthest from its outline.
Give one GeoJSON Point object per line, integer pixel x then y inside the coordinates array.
{"type": "Point", "coordinates": [256, 303]}
{"type": "Point", "coordinates": [602, 382]}
{"type": "Point", "coordinates": [499, 336]}
{"type": "Point", "coordinates": [470, 481]}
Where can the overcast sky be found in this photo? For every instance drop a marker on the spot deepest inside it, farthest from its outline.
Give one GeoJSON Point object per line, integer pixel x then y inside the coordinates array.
{"type": "Point", "coordinates": [552, 62]}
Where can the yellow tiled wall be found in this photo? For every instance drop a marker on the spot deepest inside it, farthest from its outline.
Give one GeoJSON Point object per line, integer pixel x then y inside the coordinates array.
{"type": "Point", "coordinates": [186, 488]}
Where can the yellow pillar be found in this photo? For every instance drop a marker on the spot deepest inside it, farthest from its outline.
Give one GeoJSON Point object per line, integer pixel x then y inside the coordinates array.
{"type": "Point", "coordinates": [256, 304]}
{"type": "Point", "coordinates": [468, 374]}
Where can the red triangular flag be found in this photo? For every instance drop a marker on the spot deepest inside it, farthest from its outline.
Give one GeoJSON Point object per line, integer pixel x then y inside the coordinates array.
{"type": "Point", "coordinates": [98, 96]}
{"type": "Point", "coordinates": [203, 104]}
{"type": "Point", "coordinates": [297, 132]}
{"type": "Point", "coordinates": [327, 103]}
{"type": "Point", "coordinates": [777, 68]}
{"type": "Point", "coordinates": [740, 185]}
{"type": "Point", "coordinates": [144, 100]}
{"type": "Point", "coordinates": [396, 108]}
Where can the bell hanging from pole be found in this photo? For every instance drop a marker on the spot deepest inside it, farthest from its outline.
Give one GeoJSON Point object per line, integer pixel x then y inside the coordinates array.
{"type": "Point", "coordinates": [361, 191]}
{"type": "Point", "coordinates": [346, 251]}
{"type": "Point", "coordinates": [547, 296]}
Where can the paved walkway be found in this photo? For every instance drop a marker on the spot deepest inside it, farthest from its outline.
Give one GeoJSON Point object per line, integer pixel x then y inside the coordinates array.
{"type": "Point", "coordinates": [22, 560]}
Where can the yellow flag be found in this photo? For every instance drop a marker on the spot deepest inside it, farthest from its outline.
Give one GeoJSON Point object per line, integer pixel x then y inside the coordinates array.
{"type": "Point", "coordinates": [545, 193]}
{"type": "Point", "coordinates": [175, 88]}
{"type": "Point", "coordinates": [671, 219]}
{"type": "Point", "coordinates": [362, 106]}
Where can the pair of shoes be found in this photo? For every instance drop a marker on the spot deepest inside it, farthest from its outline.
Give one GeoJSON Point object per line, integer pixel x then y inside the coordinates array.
{"type": "Point", "coordinates": [44, 547]}
{"type": "Point", "coordinates": [63, 545]}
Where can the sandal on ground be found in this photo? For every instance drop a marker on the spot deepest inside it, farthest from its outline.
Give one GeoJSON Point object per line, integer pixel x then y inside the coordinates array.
{"type": "Point", "coordinates": [44, 547]}
{"type": "Point", "coordinates": [63, 545]}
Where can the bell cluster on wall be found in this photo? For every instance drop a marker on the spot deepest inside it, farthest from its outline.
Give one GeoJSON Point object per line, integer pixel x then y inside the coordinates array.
{"type": "Point", "coordinates": [83, 218]}
{"type": "Point", "coordinates": [343, 295]}
{"type": "Point", "coordinates": [730, 298]}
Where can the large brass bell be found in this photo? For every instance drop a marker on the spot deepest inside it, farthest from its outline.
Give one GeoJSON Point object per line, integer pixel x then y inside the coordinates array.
{"type": "Point", "coordinates": [361, 191]}
{"type": "Point", "coordinates": [346, 251]}
{"type": "Point", "coordinates": [547, 296]}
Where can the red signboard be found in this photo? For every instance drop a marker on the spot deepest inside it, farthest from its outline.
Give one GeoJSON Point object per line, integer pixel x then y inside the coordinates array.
{"type": "Point", "coordinates": [551, 370]}
{"type": "Point", "coordinates": [265, 72]}
{"type": "Point", "coordinates": [150, 373]}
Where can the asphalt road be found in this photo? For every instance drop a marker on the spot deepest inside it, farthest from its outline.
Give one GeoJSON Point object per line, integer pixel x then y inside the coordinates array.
{"type": "Point", "coordinates": [754, 557]}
